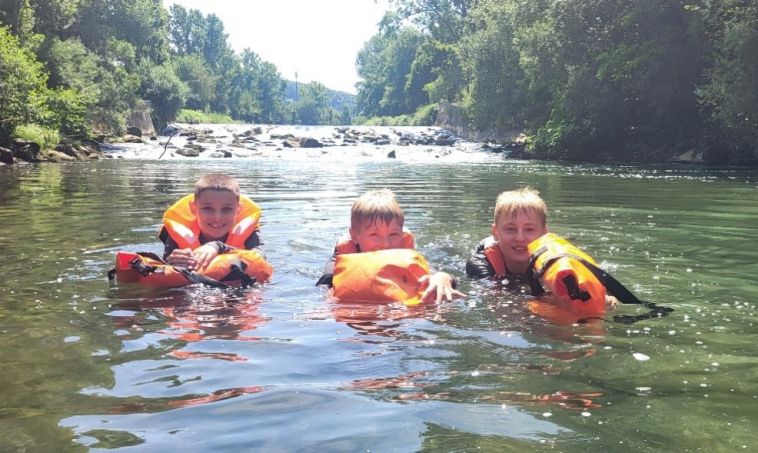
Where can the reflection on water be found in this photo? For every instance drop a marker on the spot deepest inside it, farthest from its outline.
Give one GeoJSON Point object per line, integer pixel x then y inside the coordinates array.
{"type": "Point", "coordinates": [282, 367]}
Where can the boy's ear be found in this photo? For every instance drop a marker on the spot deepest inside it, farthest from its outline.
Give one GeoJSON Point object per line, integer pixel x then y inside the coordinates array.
{"type": "Point", "coordinates": [353, 233]}
{"type": "Point", "coordinates": [494, 231]}
{"type": "Point", "coordinates": [193, 207]}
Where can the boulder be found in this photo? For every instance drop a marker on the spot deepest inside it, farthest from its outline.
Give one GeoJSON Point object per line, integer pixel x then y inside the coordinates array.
{"type": "Point", "coordinates": [66, 148]}
{"type": "Point", "coordinates": [688, 157]}
{"type": "Point", "coordinates": [310, 142]}
{"type": "Point", "coordinates": [28, 151]}
{"type": "Point", "coordinates": [188, 152]}
{"type": "Point", "coordinates": [171, 130]}
{"type": "Point", "coordinates": [391, 155]}
{"type": "Point", "coordinates": [6, 156]}
{"type": "Point", "coordinates": [139, 120]}
{"type": "Point", "coordinates": [58, 156]}
{"type": "Point", "coordinates": [128, 138]}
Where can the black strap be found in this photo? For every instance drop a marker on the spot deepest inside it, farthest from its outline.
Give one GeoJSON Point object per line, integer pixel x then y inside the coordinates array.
{"type": "Point", "coordinates": [237, 272]}
{"type": "Point", "coordinates": [612, 285]}
{"type": "Point", "coordinates": [194, 277]}
{"type": "Point", "coordinates": [625, 296]}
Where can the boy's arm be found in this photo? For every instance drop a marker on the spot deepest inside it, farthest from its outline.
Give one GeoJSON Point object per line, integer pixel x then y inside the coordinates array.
{"type": "Point", "coordinates": [209, 250]}
{"type": "Point", "coordinates": [477, 266]}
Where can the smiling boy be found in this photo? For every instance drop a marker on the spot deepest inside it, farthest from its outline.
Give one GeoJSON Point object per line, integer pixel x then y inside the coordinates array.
{"type": "Point", "coordinates": [520, 218]}
{"type": "Point", "coordinates": [376, 223]}
{"type": "Point", "coordinates": [215, 219]}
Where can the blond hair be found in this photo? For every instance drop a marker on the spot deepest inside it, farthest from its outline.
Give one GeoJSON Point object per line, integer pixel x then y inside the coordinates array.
{"type": "Point", "coordinates": [217, 181]}
{"type": "Point", "coordinates": [521, 201]}
{"type": "Point", "coordinates": [373, 206]}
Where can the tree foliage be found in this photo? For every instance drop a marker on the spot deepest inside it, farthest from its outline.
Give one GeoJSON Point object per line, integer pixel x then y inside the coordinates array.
{"type": "Point", "coordinates": [585, 79]}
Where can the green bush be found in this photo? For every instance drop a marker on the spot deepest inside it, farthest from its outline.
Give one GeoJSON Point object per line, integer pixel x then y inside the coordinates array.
{"type": "Point", "coordinates": [196, 117]}
{"type": "Point", "coordinates": [22, 85]}
{"type": "Point", "coordinates": [46, 138]}
{"type": "Point", "coordinates": [425, 115]}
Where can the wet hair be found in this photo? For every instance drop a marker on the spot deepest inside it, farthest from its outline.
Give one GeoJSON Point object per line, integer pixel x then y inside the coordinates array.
{"type": "Point", "coordinates": [217, 181]}
{"type": "Point", "coordinates": [521, 201]}
{"type": "Point", "coordinates": [374, 206]}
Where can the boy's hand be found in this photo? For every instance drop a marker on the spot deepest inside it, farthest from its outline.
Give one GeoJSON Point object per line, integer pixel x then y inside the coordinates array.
{"type": "Point", "coordinates": [181, 257]}
{"type": "Point", "coordinates": [440, 287]}
{"type": "Point", "coordinates": [203, 256]}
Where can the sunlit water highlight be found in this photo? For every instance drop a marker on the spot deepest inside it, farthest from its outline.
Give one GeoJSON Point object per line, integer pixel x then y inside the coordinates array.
{"type": "Point", "coordinates": [282, 368]}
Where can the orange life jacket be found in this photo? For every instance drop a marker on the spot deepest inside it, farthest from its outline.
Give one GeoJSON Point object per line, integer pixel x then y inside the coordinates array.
{"type": "Point", "coordinates": [390, 275]}
{"type": "Point", "coordinates": [557, 264]}
{"type": "Point", "coordinates": [181, 224]}
{"type": "Point", "coordinates": [346, 245]}
{"type": "Point", "coordinates": [495, 257]}
{"type": "Point", "coordinates": [148, 269]}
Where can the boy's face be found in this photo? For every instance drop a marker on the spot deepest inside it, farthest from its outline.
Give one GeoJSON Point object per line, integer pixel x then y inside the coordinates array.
{"type": "Point", "coordinates": [378, 235]}
{"type": "Point", "coordinates": [215, 211]}
{"type": "Point", "coordinates": [514, 235]}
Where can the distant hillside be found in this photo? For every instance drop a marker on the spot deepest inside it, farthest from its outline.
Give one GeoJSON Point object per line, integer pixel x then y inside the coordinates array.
{"type": "Point", "coordinates": [338, 98]}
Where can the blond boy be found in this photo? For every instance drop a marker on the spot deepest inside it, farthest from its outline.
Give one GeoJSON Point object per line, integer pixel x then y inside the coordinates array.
{"type": "Point", "coordinates": [376, 223]}
{"type": "Point", "coordinates": [520, 218]}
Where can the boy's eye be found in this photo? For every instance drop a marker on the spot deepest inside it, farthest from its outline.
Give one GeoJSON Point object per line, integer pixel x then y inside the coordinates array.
{"type": "Point", "coordinates": [227, 210]}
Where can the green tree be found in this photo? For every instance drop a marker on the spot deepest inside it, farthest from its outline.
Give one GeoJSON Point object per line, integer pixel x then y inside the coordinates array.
{"type": "Point", "coordinates": [22, 86]}
{"type": "Point", "coordinates": [445, 20]}
{"type": "Point", "coordinates": [271, 88]}
{"type": "Point", "coordinates": [142, 23]}
{"type": "Point", "coordinates": [312, 106]}
{"type": "Point", "coordinates": [166, 92]}
{"type": "Point", "coordinates": [199, 79]}
{"type": "Point", "coordinates": [731, 91]}
{"type": "Point", "coordinates": [187, 30]}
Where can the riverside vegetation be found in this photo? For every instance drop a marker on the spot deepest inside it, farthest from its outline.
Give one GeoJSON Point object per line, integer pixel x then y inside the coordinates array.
{"type": "Point", "coordinates": [584, 80]}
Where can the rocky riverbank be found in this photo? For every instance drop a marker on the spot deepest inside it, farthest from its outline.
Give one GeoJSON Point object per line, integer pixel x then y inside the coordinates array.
{"type": "Point", "coordinates": [23, 152]}
{"type": "Point", "coordinates": [183, 141]}
{"type": "Point", "coordinates": [248, 141]}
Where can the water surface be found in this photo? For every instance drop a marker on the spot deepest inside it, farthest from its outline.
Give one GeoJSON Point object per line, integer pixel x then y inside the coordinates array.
{"type": "Point", "coordinates": [90, 366]}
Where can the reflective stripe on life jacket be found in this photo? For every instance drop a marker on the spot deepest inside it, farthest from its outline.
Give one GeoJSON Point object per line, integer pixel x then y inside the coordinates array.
{"type": "Point", "coordinates": [558, 264]}
{"type": "Point", "coordinates": [346, 245]}
{"type": "Point", "coordinates": [181, 224]}
{"type": "Point", "coordinates": [386, 276]}
{"type": "Point", "coordinates": [495, 257]}
{"type": "Point", "coordinates": [148, 269]}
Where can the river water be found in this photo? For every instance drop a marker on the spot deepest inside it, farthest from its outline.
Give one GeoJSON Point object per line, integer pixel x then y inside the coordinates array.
{"type": "Point", "coordinates": [89, 366]}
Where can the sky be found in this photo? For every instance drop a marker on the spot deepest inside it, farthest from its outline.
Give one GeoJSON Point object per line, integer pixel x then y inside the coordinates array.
{"type": "Point", "coordinates": [317, 39]}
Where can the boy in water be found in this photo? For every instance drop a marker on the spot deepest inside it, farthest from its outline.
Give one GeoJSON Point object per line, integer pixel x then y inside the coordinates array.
{"type": "Point", "coordinates": [214, 220]}
{"type": "Point", "coordinates": [520, 218]}
{"type": "Point", "coordinates": [376, 223]}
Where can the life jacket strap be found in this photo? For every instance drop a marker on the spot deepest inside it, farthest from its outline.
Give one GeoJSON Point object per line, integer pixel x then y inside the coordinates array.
{"type": "Point", "coordinates": [237, 272]}
{"type": "Point", "coordinates": [626, 297]}
{"type": "Point", "coordinates": [195, 277]}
